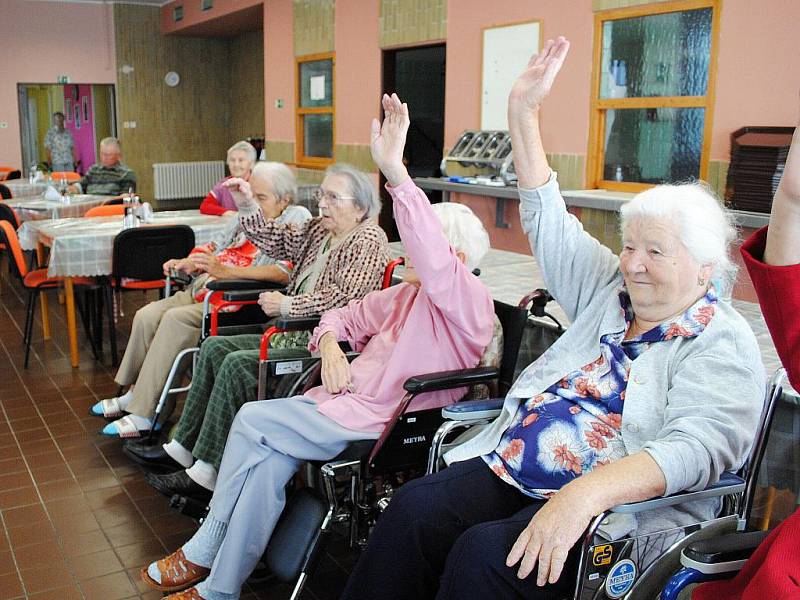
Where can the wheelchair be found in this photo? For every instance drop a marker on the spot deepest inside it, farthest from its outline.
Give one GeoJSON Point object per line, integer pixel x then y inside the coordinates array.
{"type": "Point", "coordinates": [359, 483]}
{"type": "Point", "coordinates": [723, 556]}
{"type": "Point", "coordinates": [221, 294]}
{"type": "Point", "coordinates": [636, 568]}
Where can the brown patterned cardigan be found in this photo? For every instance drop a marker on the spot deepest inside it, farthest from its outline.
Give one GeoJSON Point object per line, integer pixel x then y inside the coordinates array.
{"type": "Point", "coordinates": [354, 268]}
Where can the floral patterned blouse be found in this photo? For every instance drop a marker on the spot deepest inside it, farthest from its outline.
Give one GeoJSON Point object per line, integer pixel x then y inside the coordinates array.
{"type": "Point", "coordinates": [575, 425]}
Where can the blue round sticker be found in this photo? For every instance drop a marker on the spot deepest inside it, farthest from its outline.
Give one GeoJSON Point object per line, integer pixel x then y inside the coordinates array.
{"type": "Point", "coordinates": [620, 578]}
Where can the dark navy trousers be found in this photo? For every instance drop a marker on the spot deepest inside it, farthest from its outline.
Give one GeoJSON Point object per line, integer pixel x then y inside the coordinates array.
{"type": "Point", "coordinates": [446, 536]}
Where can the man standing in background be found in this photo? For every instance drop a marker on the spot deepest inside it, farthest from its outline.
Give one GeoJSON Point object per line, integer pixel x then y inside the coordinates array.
{"type": "Point", "coordinates": [60, 146]}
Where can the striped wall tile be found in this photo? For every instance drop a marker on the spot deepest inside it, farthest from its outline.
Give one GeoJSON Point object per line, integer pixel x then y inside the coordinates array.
{"type": "Point", "coordinates": [313, 26]}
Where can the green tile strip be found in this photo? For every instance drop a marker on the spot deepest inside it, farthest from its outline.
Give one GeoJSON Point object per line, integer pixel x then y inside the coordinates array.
{"type": "Point", "coordinates": [314, 176]}
{"type": "Point", "coordinates": [280, 151]}
{"type": "Point", "coordinates": [412, 21]}
{"type": "Point", "coordinates": [598, 5]}
{"type": "Point", "coordinates": [571, 169]}
{"type": "Point", "coordinates": [718, 176]}
{"type": "Point", "coordinates": [313, 26]}
{"type": "Point", "coordinates": [357, 155]}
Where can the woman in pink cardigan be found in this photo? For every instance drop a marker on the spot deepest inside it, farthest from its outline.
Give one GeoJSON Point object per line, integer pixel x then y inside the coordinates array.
{"type": "Point", "coordinates": [440, 318]}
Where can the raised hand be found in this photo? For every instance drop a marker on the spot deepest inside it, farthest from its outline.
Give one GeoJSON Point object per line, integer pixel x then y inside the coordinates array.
{"type": "Point", "coordinates": [784, 222]}
{"type": "Point", "coordinates": [388, 139]}
{"type": "Point", "coordinates": [241, 192]}
{"type": "Point", "coordinates": [534, 84]}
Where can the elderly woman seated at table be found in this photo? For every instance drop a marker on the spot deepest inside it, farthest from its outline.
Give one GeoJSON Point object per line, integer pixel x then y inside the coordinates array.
{"type": "Point", "coordinates": [440, 318]}
{"type": "Point", "coordinates": [241, 159]}
{"type": "Point", "coordinates": [338, 257]}
{"type": "Point", "coordinates": [656, 388]}
{"type": "Point", "coordinates": [162, 329]}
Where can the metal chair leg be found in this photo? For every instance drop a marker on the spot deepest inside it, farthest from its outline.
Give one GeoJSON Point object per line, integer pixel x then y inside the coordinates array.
{"type": "Point", "coordinates": [32, 297]}
{"type": "Point", "coordinates": [112, 330]}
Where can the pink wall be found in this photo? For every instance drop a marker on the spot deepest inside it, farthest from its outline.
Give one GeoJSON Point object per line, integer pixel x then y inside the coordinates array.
{"type": "Point", "coordinates": [758, 77]}
{"type": "Point", "coordinates": [82, 130]}
{"type": "Point", "coordinates": [43, 40]}
{"type": "Point", "coordinates": [279, 70]}
{"type": "Point", "coordinates": [358, 73]}
{"type": "Point", "coordinates": [566, 117]}
{"type": "Point", "coordinates": [193, 15]}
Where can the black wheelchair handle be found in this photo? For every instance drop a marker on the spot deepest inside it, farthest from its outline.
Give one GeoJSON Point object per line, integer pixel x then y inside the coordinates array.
{"type": "Point", "coordinates": [297, 323]}
{"type": "Point", "coordinates": [225, 285]}
{"type": "Point", "coordinates": [446, 380]}
{"type": "Point", "coordinates": [725, 548]}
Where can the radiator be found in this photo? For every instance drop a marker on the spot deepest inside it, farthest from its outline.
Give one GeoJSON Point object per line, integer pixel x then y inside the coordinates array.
{"type": "Point", "coordinates": [186, 179]}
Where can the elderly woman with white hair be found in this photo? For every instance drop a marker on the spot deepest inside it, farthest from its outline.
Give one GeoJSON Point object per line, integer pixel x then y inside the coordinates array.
{"type": "Point", "coordinates": [338, 256]}
{"type": "Point", "coordinates": [162, 329]}
{"type": "Point", "coordinates": [655, 388]}
{"type": "Point", "coordinates": [440, 318]}
{"type": "Point", "coordinates": [241, 159]}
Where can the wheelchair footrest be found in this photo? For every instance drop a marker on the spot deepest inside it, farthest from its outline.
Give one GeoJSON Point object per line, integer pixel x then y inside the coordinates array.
{"type": "Point", "coordinates": [295, 542]}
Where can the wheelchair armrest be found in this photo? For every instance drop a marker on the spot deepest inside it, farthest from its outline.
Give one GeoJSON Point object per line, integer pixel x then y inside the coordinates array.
{"type": "Point", "coordinates": [224, 285]}
{"type": "Point", "coordinates": [445, 380]}
{"type": "Point", "coordinates": [725, 548]}
{"type": "Point", "coordinates": [244, 295]}
{"type": "Point", "coordinates": [473, 410]}
{"type": "Point", "coordinates": [728, 484]}
{"type": "Point", "coordinates": [297, 323]}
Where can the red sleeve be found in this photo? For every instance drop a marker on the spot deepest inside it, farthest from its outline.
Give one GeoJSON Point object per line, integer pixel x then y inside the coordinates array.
{"type": "Point", "coordinates": [778, 290]}
{"type": "Point", "coordinates": [211, 206]}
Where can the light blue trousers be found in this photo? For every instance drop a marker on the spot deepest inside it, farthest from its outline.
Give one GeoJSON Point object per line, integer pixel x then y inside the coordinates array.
{"type": "Point", "coordinates": [268, 442]}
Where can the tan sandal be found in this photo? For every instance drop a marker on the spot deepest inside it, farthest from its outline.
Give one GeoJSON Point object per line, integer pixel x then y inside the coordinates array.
{"type": "Point", "coordinates": [177, 574]}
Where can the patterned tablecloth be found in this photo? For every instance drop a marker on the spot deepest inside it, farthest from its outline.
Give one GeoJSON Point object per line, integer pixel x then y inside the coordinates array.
{"type": "Point", "coordinates": [22, 187]}
{"type": "Point", "coordinates": [36, 208]}
{"type": "Point", "coordinates": [82, 247]}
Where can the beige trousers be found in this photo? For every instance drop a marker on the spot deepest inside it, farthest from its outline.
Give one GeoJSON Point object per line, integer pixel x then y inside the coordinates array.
{"type": "Point", "coordinates": [160, 331]}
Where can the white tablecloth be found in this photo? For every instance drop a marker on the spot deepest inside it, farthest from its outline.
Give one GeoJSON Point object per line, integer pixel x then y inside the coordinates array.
{"type": "Point", "coordinates": [82, 246]}
{"type": "Point", "coordinates": [22, 187]}
{"type": "Point", "coordinates": [36, 208]}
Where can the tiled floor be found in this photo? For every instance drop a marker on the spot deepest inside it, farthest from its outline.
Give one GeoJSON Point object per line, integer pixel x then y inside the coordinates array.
{"type": "Point", "coordinates": [77, 519]}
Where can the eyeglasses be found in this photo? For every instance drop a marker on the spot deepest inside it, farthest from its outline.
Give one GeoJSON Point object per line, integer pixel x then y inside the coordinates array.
{"type": "Point", "coordinates": [331, 197]}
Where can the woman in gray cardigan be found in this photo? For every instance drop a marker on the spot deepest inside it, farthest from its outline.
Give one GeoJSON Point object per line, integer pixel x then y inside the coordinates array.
{"type": "Point", "coordinates": [656, 387]}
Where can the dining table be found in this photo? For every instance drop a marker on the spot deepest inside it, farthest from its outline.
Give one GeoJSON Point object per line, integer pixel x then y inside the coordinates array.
{"type": "Point", "coordinates": [23, 187]}
{"type": "Point", "coordinates": [37, 208]}
{"type": "Point", "coordinates": [82, 247]}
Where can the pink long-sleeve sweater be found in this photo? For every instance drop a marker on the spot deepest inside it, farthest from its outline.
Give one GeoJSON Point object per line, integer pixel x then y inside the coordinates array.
{"type": "Point", "coordinates": [406, 330]}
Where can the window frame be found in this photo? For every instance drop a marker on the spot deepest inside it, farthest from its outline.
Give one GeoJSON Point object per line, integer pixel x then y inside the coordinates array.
{"type": "Point", "coordinates": [301, 159]}
{"type": "Point", "coordinates": [598, 106]}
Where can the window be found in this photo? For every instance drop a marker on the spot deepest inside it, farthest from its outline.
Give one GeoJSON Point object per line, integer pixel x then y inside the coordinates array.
{"type": "Point", "coordinates": [315, 114]}
{"type": "Point", "coordinates": [652, 94]}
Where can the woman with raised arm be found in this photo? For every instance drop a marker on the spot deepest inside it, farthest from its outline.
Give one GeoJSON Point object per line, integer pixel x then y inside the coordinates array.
{"type": "Point", "coordinates": [440, 318]}
{"type": "Point", "coordinates": [655, 388]}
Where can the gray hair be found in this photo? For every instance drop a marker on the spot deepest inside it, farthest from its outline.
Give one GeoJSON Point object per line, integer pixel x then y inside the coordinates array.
{"type": "Point", "coordinates": [704, 227]}
{"type": "Point", "coordinates": [361, 188]}
{"type": "Point", "coordinates": [463, 230]}
{"type": "Point", "coordinates": [280, 176]}
{"type": "Point", "coordinates": [247, 148]}
{"type": "Point", "coordinates": [111, 141]}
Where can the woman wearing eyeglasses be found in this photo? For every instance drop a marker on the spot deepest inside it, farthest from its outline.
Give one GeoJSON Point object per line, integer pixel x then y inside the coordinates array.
{"type": "Point", "coordinates": [338, 256]}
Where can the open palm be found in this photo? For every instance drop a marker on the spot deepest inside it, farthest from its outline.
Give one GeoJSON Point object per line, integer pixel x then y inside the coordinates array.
{"type": "Point", "coordinates": [388, 139]}
{"type": "Point", "coordinates": [533, 85]}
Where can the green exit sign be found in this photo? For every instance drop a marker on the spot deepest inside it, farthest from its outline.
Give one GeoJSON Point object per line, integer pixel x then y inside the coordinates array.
{"type": "Point", "coordinates": [63, 79]}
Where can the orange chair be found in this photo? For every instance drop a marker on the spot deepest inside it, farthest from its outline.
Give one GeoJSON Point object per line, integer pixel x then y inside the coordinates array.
{"type": "Point", "coordinates": [106, 210]}
{"type": "Point", "coordinates": [70, 176]}
{"type": "Point", "coordinates": [33, 281]}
